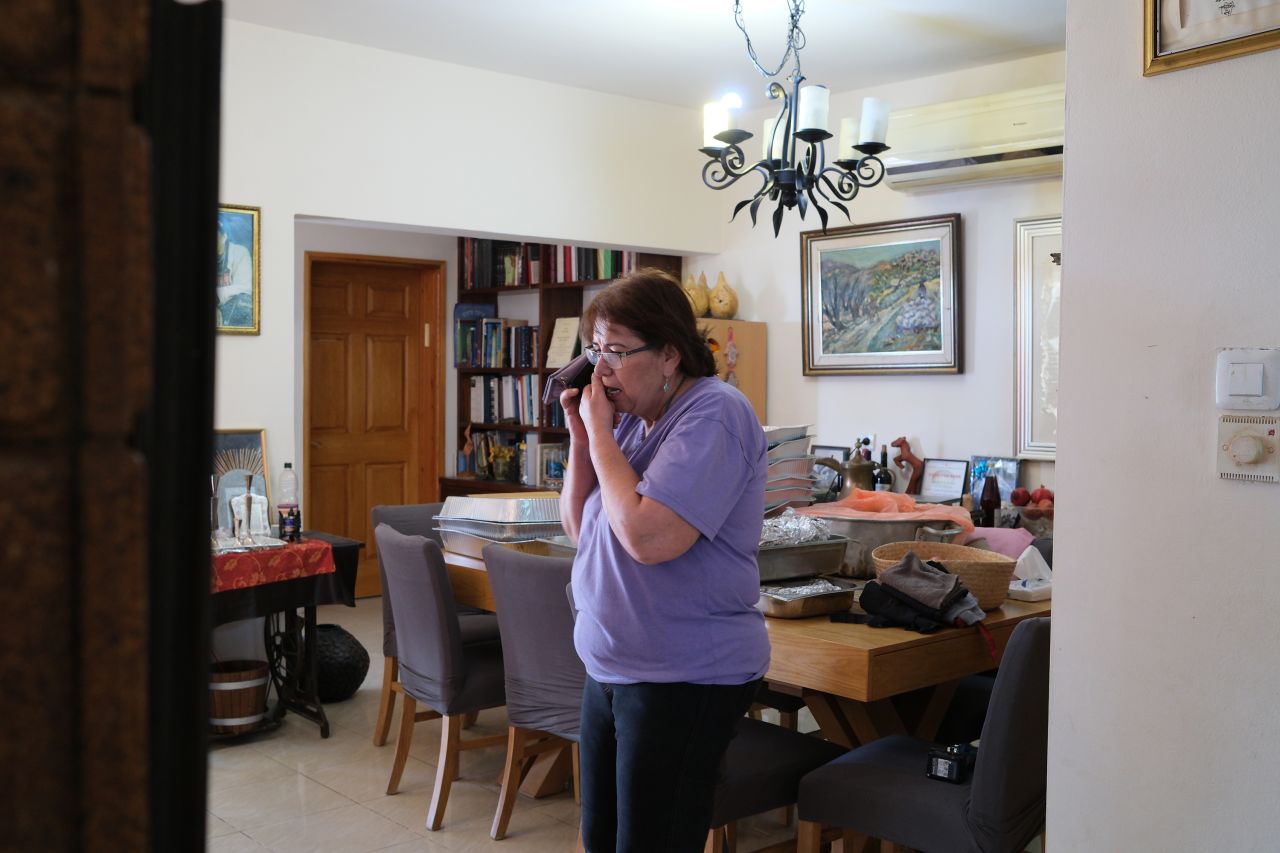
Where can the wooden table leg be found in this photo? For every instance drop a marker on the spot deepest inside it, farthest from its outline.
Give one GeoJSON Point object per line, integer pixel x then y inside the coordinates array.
{"type": "Point", "coordinates": [549, 773]}
{"type": "Point", "coordinates": [939, 701]}
{"type": "Point", "coordinates": [859, 716]}
{"type": "Point", "coordinates": [826, 713]}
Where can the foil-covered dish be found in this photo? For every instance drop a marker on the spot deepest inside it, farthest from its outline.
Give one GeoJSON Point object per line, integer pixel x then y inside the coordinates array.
{"type": "Point", "coordinates": [502, 509]}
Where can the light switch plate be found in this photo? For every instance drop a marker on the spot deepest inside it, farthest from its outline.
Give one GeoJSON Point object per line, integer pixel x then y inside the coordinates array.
{"type": "Point", "coordinates": [1231, 370]}
{"type": "Point", "coordinates": [1243, 430]}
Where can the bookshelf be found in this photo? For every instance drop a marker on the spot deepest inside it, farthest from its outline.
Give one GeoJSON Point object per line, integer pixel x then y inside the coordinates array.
{"type": "Point", "coordinates": [557, 277]}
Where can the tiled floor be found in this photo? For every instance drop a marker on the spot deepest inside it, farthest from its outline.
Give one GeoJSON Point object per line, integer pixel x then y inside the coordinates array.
{"type": "Point", "coordinates": [290, 790]}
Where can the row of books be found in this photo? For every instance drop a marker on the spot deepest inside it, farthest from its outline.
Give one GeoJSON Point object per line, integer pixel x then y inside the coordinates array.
{"type": "Point", "coordinates": [502, 263]}
{"type": "Point", "coordinates": [495, 399]}
{"type": "Point", "coordinates": [481, 339]}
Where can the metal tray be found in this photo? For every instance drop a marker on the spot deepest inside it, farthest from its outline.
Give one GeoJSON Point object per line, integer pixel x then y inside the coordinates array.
{"type": "Point", "coordinates": [813, 605]}
{"type": "Point", "coordinates": [792, 449]}
{"type": "Point", "coordinates": [503, 531]}
{"type": "Point", "coordinates": [470, 545]}
{"type": "Point", "coordinates": [779, 562]}
{"type": "Point", "coordinates": [505, 510]}
{"type": "Point", "coordinates": [797, 467]}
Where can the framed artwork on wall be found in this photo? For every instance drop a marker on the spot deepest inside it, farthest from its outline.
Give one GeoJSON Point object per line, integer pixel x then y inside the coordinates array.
{"type": "Point", "coordinates": [237, 454]}
{"type": "Point", "coordinates": [1182, 33]}
{"type": "Point", "coordinates": [883, 297]}
{"type": "Point", "coordinates": [1039, 281]}
{"type": "Point", "coordinates": [239, 262]}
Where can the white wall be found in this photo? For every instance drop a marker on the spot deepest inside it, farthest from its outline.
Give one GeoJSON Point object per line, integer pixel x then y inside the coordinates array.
{"type": "Point", "coordinates": [320, 128]}
{"type": "Point", "coordinates": [942, 416]}
{"type": "Point", "coordinates": [1164, 690]}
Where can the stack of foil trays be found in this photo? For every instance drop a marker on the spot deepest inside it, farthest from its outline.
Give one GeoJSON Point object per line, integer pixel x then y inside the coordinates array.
{"type": "Point", "coordinates": [468, 524]}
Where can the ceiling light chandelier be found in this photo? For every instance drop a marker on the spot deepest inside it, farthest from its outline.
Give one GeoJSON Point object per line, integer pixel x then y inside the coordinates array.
{"type": "Point", "coordinates": [793, 165]}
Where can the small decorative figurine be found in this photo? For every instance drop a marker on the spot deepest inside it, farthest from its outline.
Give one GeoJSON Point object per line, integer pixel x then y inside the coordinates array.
{"type": "Point", "coordinates": [697, 294]}
{"type": "Point", "coordinates": [724, 302]}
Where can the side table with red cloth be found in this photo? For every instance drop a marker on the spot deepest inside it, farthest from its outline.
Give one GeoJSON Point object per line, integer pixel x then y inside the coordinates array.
{"type": "Point", "coordinates": [321, 570]}
{"type": "Point", "coordinates": [254, 568]}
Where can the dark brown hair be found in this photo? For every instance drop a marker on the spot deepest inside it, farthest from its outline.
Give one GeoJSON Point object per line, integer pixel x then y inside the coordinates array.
{"type": "Point", "coordinates": [650, 303]}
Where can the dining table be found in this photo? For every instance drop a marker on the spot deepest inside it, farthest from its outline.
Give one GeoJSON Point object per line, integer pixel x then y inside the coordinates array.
{"type": "Point", "coordinates": [860, 682]}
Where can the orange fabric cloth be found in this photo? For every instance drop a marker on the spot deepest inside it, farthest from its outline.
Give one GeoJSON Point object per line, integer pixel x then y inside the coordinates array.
{"type": "Point", "coordinates": [299, 560]}
{"type": "Point", "coordinates": [892, 506]}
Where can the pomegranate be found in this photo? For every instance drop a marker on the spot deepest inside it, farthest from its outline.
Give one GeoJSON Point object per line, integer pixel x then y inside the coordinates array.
{"type": "Point", "coordinates": [1041, 494]}
{"type": "Point", "coordinates": [1020, 496]}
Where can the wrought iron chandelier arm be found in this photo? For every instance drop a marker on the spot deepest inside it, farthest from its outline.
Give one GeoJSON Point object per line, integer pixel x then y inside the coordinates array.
{"type": "Point", "coordinates": [724, 171]}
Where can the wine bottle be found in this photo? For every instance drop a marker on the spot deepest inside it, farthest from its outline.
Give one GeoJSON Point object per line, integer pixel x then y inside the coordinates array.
{"type": "Point", "coordinates": [990, 501]}
{"type": "Point", "coordinates": [883, 476]}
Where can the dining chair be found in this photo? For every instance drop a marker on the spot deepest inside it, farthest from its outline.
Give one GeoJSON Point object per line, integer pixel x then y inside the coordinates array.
{"type": "Point", "coordinates": [413, 520]}
{"type": "Point", "coordinates": [544, 675]}
{"type": "Point", "coordinates": [438, 667]}
{"type": "Point", "coordinates": [880, 790]}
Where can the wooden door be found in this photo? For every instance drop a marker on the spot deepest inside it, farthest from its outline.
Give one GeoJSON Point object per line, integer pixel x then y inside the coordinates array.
{"type": "Point", "coordinates": [374, 423]}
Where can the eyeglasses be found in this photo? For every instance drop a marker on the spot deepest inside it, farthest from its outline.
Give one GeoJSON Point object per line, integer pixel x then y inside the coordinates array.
{"type": "Point", "coordinates": [613, 359]}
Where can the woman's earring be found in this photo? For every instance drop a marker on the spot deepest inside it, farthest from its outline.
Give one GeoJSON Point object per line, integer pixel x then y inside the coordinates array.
{"type": "Point", "coordinates": [666, 385]}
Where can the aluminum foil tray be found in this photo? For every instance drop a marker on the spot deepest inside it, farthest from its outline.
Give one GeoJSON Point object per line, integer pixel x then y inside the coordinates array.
{"type": "Point", "coordinates": [797, 467]}
{"type": "Point", "coordinates": [505, 510]}
{"type": "Point", "coordinates": [807, 559]}
{"type": "Point", "coordinates": [503, 531]}
{"type": "Point", "coordinates": [470, 545]}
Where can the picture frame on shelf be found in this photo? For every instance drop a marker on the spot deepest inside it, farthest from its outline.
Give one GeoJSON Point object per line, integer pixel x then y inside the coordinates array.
{"type": "Point", "coordinates": [1004, 468]}
{"type": "Point", "coordinates": [883, 298]}
{"type": "Point", "coordinates": [238, 271]}
{"type": "Point", "coordinates": [1183, 33]}
{"type": "Point", "coordinates": [240, 453]}
{"type": "Point", "coordinates": [944, 478]}
{"type": "Point", "coordinates": [1038, 300]}
{"type": "Point", "coordinates": [551, 460]}
{"type": "Point", "coordinates": [831, 451]}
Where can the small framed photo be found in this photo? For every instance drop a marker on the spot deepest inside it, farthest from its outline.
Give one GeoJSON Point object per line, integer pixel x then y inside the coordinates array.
{"type": "Point", "coordinates": [944, 478]}
{"type": "Point", "coordinates": [239, 454]}
{"type": "Point", "coordinates": [1182, 33]}
{"type": "Point", "coordinates": [831, 451]}
{"type": "Point", "coordinates": [1004, 468]}
{"type": "Point", "coordinates": [882, 297]}
{"type": "Point", "coordinates": [239, 262]}
{"type": "Point", "coordinates": [551, 466]}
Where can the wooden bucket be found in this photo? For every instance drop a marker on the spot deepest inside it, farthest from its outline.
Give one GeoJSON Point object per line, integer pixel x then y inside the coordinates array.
{"type": "Point", "coordinates": [237, 695]}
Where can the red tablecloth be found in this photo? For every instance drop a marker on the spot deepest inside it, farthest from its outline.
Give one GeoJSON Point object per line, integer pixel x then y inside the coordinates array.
{"type": "Point", "coordinates": [241, 571]}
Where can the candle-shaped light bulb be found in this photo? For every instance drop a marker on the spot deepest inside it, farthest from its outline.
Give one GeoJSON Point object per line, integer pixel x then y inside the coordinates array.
{"type": "Point", "coordinates": [766, 138]}
{"type": "Point", "coordinates": [715, 119]}
{"type": "Point", "coordinates": [848, 139]}
{"type": "Point", "coordinates": [814, 105]}
{"type": "Point", "coordinates": [875, 121]}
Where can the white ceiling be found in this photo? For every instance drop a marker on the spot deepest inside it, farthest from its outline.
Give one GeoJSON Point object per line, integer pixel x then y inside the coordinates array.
{"type": "Point", "coordinates": [682, 52]}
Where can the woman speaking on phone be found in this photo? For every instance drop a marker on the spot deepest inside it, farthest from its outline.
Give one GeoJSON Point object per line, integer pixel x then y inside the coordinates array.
{"type": "Point", "coordinates": [664, 496]}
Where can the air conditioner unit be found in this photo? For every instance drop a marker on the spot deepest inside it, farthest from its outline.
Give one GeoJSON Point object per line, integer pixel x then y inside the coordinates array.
{"type": "Point", "coordinates": [1002, 137]}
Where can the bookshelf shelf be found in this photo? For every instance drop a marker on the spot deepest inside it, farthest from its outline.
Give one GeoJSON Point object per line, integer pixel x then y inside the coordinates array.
{"type": "Point", "coordinates": [533, 268]}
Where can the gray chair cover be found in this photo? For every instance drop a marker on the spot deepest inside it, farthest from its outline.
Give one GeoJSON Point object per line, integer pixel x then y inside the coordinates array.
{"type": "Point", "coordinates": [419, 520]}
{"type": "Point", "coordinates": [544, 674]}
{"type": "Point", "coordinates": [437, 667]}
{"type": "Point", "coordinates": [762, 769]}
{"type": "Point", "coordinates": [881, 789]}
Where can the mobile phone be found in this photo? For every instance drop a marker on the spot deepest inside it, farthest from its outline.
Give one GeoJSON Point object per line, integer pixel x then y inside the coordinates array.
{"type": "Point", "coordinates": [575, 374]}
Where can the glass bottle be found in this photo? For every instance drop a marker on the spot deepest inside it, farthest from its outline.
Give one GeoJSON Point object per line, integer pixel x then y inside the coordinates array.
{"type": "Point", "coordinates": [990, 501]}
{"type": "Point", "coordinates": [883, 476]}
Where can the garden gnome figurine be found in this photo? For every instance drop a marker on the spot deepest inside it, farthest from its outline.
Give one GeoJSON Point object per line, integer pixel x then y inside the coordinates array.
{"type": "Point", "coordinates": [724, 302]}
{"type": "Point", "coordinates": [696, 292]}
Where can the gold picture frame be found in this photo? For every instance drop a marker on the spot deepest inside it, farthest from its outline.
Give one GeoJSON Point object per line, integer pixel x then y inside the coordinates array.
{"type": "Point", "coordinates": [239, 267]}
{"type": "Point", "coordinates": [1181, 34]}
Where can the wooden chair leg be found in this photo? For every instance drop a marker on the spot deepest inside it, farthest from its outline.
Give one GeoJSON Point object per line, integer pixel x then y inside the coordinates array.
{"type": "Point", "coordinates": [469, 719]}
{"type": "Point", "coordinates": [731, 834]}
{"type": "Point", "coordinates": [715, 840]}
{"type": "Point", "coordinates": [579, 847]}
{"type": "Point", "coordinates": [510, 783]}
{"type": "Point", "coordinates": [808, 837]}
{"type": "Point", "coordinates": [577, 774]}
{"type": "Point", "coordinates": [789, 720]}
{"type": "Point", "coordinates": [387, 704]}
{"type": "Point", "coordinates": [446, 767]}
{"type": "Point", "coordinates": [408, 708]}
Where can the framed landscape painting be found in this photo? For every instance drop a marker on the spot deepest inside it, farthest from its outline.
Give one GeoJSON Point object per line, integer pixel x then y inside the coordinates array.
{"type": "Point", "coordinates": [883, 297]}
{"type": "Point", "coordinates": [1181, 33]}
{"type": "Point", "coordinates": [239, 260]}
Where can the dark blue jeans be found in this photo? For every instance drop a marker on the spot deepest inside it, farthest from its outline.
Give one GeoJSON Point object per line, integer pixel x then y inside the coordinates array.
{"type": "Point", "coordinates": [650, 758]}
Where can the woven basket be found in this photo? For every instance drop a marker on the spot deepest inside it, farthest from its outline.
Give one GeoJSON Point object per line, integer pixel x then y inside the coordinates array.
{"type": "Point", "coordinates": [986, 574]}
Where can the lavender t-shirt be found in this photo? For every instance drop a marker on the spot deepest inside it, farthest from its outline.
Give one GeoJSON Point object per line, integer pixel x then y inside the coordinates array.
{"type": "Point", "coordinates": [692, 618]}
